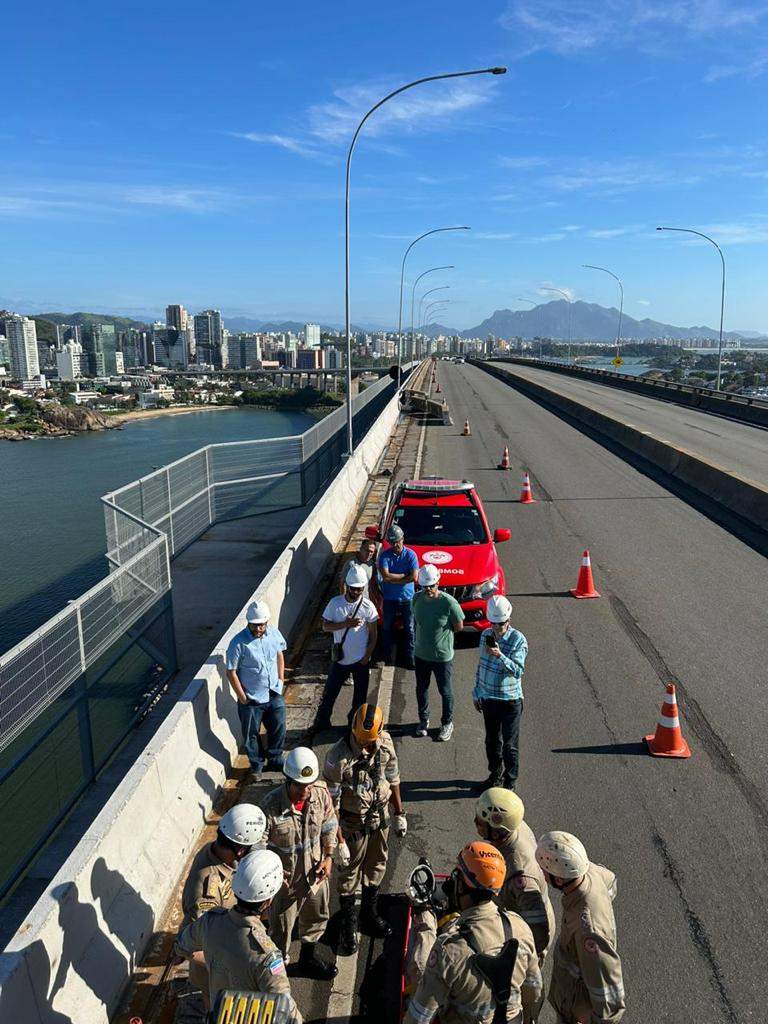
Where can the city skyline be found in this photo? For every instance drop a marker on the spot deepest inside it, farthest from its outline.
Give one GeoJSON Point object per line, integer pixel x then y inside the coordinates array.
{"type": "Point", "coordinates": [609, 122]}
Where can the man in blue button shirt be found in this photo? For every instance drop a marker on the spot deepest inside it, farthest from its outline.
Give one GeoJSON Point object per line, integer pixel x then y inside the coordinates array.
{"type": "Point", "coordinates": [255, 669]}
{"type": "Point", "coordinates": [398, 567]}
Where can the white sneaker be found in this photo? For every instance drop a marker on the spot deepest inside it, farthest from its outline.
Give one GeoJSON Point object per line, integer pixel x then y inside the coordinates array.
{"type": "Point", "coordinates": [446, 731]}
{"type": "Point", "coordinates": [423, 728]}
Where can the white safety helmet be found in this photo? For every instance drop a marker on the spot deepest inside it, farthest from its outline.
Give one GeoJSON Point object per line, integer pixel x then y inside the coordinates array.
{"type": "Point", "coordinates": [429, 575]}
{"type": "Point", "coordinates": [356, 576]}
{"type": "Point", "coordinates": [257, 611]}
{"type": "Point", "coordinates": [562, 855]}
{"type": "Point", "coordinates": [244, 824]}
{"type": "Point", "coordinates": [302, 766]}
{"type": "Point", "coordinates": [258, 876]}
{"type": "Point", "coordinates": [499, 608]}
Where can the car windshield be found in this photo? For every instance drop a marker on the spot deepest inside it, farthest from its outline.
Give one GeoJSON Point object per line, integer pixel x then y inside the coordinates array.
{"type": "Point", "coordinates": [441, 526]}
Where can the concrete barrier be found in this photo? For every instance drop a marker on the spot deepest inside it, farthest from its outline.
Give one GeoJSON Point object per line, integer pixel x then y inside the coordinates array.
{"type": "Point", "coordinates": [73, 955]}
{"type": "Point", "coordinates": [747, 498]}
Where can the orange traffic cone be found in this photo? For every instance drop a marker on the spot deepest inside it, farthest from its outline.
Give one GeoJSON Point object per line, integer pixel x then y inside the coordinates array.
{"type": "Point", "coordinates": [668, 740]}
{"type": "Point", "coordinates": [584, 585]}
{"type": "Point", "coordinates": [466, 431]}
{"type": "Point", "coordinates": [527, 498]}
{"type": "Point", "coordinates": [504, 464]}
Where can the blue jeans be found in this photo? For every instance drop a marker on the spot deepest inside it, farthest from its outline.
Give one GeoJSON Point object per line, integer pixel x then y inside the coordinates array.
{"type": "Point", "coordinates": [272, 714]}
{"type": "Point", "coordinates": [392, 609]}
{"type": "Point", "coordinates": [443, 672]}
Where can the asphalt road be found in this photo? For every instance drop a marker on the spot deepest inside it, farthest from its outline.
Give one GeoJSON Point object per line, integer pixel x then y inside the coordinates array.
{"type": "Point", "coordinates": [738, 447]}
{"type": "Point", "coordinates": [682, 600]}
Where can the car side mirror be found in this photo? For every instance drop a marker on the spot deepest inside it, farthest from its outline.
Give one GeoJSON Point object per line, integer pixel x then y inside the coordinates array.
{"type": "Point", "coordinates": [502, 534]}
{"type": "Point", "coordinates": [372, 532]}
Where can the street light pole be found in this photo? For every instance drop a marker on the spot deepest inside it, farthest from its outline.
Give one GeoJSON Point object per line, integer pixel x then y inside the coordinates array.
{"type": "Point", "coordinates": [589, 266]}
{"type": "Point", "coordinates": [440, 288]}
{"type": "Point", "coordinates": [434, 231]}
{"type": "Point", "coordinates": [375, 107]}
{"type": "Point", "coordinates": [434, 307]}
{"type": "Point", "coordinates": [567, 298]}
{"type": "Point", "coordinates": [690, 231]}
{"type": "Point", "coordinates": [413, 298]}
{"type": "Point", "coordinates": [522, 298]}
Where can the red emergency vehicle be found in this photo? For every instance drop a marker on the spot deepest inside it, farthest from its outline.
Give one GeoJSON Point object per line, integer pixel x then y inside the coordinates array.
{"type": "Point", "coordinates": [445, 524]}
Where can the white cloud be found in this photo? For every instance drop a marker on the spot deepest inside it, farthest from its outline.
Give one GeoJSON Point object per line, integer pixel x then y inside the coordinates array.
{"type": "Point", "coordinates": [608, 232]}
{"type": "Point", "coordinates": [169, 196]}
{"type": "Point", "coordinates": [569, 27]}
{"type": "Point", "coordinates": [550, 290]}
{"type": "Point", "coordinates": [423, 109]}
{"type": "Point", "coordinates": [96, 198]}
{"type": "Point", "coordinates": [267, 138]}
{"type": "Point", "coordinates": [747, 69]}
{"type": "Point", "coordinates": [643, 302]}
{"type": "Point", "coordinates": [747, 232]}
{"type": "Point", "coordinates": [571, 227]}
{"type": "Point", "coordinates": [523, 162]}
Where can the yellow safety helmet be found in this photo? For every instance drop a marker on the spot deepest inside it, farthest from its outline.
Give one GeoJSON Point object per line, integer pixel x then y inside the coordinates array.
{"type": "Point", "coordinates": [499, 809]}
{"type": "Point", "coordinates": [367, 724]}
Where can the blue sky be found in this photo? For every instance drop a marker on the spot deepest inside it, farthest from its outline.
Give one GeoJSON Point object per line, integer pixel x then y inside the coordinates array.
{"type": "Point", "coordinates": [193, 152]}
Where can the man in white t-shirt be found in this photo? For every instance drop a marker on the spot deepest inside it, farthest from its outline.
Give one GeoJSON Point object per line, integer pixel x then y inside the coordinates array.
{"type": "Point", "coordinates": [353, 620]}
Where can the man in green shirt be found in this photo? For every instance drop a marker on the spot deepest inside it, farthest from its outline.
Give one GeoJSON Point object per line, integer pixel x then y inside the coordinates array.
{"type": "Point", "coordinates": [437, 616]}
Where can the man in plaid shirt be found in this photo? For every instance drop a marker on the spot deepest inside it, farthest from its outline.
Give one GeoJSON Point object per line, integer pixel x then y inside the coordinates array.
{"type": "Point", "coordinates": [498, 693]}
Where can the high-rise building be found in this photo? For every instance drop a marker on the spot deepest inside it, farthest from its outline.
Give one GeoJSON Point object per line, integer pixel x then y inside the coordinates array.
{"type": "Point", "coordinates": [5, 355]}
{"type": "Point", "coordinates": [310, 359]}
{"type": "Point", "coordinates": [208, 337]}
{"type": "Point", "coordinates": [21, 332]}
{"type": "Point", "coordinates": [169, 347]}
{"type": "Point", "coordinates": [176, 316]}
{"type": "Point", "coordinates": [71, 361]}
{"type": "Point", "coordinates": [311, 335]}
{"type": "Point", "coordinates": [100, 342]}
{"type": "Point", "coordinates": [334, 358]}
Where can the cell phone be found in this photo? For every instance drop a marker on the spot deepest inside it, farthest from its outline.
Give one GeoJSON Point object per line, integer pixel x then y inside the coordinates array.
{"type": "Point", "coordinates": [490, 641]}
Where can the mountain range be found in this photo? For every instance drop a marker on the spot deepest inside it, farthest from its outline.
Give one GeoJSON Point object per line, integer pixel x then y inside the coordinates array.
{"type": "Point", "coordinates": [589, 322]}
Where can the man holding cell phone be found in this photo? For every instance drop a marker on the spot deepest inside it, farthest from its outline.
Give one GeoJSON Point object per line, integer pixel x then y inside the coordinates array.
{"type": "Point", "coordinates": [498, 693]}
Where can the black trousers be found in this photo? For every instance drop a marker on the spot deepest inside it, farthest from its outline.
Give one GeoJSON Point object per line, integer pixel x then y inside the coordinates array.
{"type": "Point", "coordinates": [333, 684]}
{"type": "Point", "coordinates": [502, 737]}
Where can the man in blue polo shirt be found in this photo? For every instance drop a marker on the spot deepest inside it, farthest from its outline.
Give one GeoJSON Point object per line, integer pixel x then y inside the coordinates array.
{"type": "Point", "coordinates": [255, 669]}
{"type": "Point", "coordinates": [398, 567]}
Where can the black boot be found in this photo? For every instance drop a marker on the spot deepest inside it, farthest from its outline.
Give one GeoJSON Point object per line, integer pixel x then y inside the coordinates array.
{"type": "Point", "coordinates": [376, 925]}
{"type": "Point", "coordinates": [311, 965]}
{"type": "Point", "coordinates": [348, 931]}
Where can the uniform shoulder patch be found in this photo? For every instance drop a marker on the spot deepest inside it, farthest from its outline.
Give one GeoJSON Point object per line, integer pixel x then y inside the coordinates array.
{"type": "Point", "coordinates": [518, 880]}
{"type": "Point", "coordinates": [432, 959]}
{"type": "Point", "coordinates": [275, 963]}
{"type": "Point", "coordinates": [590, 945]}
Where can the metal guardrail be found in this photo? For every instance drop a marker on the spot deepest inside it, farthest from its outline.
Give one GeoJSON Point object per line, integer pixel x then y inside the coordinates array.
{"type": "Point", "coordinates": [147, 523]}
{"type": "Point", "coordinates": [739, 407]}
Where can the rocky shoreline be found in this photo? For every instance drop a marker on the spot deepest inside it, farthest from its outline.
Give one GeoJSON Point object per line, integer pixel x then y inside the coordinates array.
{"type": "Point", "coordinates": [60, 421]}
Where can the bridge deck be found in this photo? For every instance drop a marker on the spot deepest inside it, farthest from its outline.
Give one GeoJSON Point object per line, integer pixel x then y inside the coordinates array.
{"type": "Point", "coordinates": [735, 446]}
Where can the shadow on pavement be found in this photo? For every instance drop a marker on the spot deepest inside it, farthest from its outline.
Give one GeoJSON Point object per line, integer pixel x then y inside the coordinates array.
{"type": "Point", "coordinates": [607, 748]}
{"type": "Point", "coordinates": [448, 789]}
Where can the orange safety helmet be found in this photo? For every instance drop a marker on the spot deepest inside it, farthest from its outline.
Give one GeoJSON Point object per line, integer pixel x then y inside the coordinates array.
{"type": "Point", "coordinates": [367, 724]}
{"type": "Point", "coordinates": [482, 867]}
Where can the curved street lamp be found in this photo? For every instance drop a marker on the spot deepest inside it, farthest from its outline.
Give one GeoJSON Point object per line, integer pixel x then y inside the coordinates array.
{"type": "Point", "coordinates": [434, 231]}
{"type": "Point", "coordinates": [375, 107]}
{"type": "Point", "coordinates": [439, 288]}
{"type": "Point", "coordinates": [690, 231]}
{"type": "Point", "coordinates": [568, 299]}
{"type": "Point", "coordinates": [434, 307]}
{"type": "Point", "coordinates": [522, 298]}
{"type": "Point", "coordinates": [589, 266]}
{"type": "Point", "coordinates": [413, 297]}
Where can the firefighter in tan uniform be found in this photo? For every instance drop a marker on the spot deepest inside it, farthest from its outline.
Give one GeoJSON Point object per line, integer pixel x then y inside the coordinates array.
{"type": "Point", "coordinates": [483, 966]}
{"type": "Point", "coordinates": [209, 882]}
{"type": "Point", "coordinates": [499, 819]}
{"type": "Point", "coordinates": [364, 779]}
{"type": "Point", "coordinates": [239, 953]}
{"type": "Point", "coordinates": [430, 915]}
{"type": "Point", "coordinates": [301, 828]}
{"type": "Point", "coordinates": [587, 985]}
